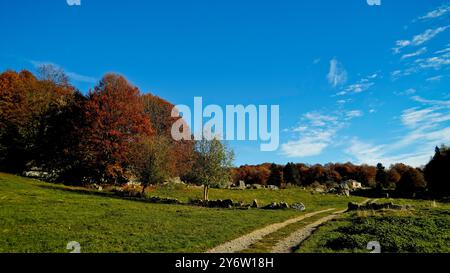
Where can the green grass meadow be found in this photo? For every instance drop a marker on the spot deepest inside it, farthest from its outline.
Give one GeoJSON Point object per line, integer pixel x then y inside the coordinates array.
{"type": "Point", "coordinates": [38, 217]}
{"type": "Point", "coordinates": [423, 229]}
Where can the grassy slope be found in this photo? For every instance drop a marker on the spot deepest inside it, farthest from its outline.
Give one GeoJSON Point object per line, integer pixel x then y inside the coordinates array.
{"type": "Point", "coordinates": [41, 217]}
{"type": "Point", "coordinates": [312, 201]}
{"type": "Point", "coordinates": [426, 229]}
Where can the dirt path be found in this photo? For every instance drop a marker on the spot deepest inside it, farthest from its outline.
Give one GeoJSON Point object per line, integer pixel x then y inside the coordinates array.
{"type": "Point", "coordinates": [291, 243]}
{"type": "Point", "coordinates": [247, 240]}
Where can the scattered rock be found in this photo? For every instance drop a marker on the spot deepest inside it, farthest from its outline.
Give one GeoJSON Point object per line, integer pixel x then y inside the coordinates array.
{"type": "Point", "coordinates": [343, 189]}
{"type": "Point", "coordinates": [375, 206]}
{"type": "Point", "coordinates": [224, 204]}
{"type": "Point", "coordinates": [298, 206]}
{"type": "Point", "coordinates": [159, 200]}
{"type": "Point", "coordinates": [273, 187]}
{"type": "Point", "coordinates": [353, 206]}
{"type": "Point", "coordinates": [174, 181]}
{"type": "Point", "coordinates": [241, 185]}
{"type": "Point", "coordinates": [276, 206]}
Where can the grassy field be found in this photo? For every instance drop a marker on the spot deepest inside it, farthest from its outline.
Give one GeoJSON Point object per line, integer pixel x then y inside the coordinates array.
{"type": "Point", "coordinates": [312, 200]}
{"type": "Point", "coordinates": [41, 217]}
{"type": "Point", "coordinates": [424, 229]}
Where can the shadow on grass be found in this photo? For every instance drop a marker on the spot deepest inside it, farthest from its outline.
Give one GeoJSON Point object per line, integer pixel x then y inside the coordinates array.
{"type": "Point", "coordinates": [420, 195]}
{"type": "Point", "coordinates": [102, 194]}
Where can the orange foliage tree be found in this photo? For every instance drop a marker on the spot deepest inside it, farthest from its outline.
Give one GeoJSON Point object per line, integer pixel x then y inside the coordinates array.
{"type": "Point", "coordinates": [115, 119]}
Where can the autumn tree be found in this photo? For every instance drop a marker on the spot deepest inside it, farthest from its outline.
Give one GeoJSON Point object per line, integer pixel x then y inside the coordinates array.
{"type": "Point", "coordinates": [58, 138]}
{"type": "Point", "coordinates": [213, 162]}
{"type": "Point", "coordinates": [115, 119]}
{"type": "Point", "coordinates": [393, 177]}
{"type": "Point", "coordinates": [14, 116]}
{"type": "Point", "coordinates": [316, 173]}
{"type": "Point", "coordinates": [251, 174]}
{"type": "Point", "coordinates": [181, 152]}
{"type": "Point", "coordinates": [25, 101]}
{"type": "Point", "coordinates": [412, 180]}
{"type": "Point", "coordinates": [366, 175]}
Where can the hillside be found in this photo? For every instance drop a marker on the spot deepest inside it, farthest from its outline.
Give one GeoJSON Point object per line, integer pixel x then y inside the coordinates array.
{"type": "Point", "coordinates": [43, 217]}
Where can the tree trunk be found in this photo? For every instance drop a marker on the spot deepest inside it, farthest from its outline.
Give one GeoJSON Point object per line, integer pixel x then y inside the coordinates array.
{"type": "Point", "coordinates": [205, 192]}
{"type": "Point", "coordinates": [143, 190]}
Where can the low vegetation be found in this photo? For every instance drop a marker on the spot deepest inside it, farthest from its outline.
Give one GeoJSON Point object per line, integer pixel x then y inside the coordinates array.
{"type": "Point", "coordinates": [423, 229]}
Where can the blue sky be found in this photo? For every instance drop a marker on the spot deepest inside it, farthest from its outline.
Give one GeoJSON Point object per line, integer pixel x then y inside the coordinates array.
{"type": "Point", "coordinates": [354, 82]}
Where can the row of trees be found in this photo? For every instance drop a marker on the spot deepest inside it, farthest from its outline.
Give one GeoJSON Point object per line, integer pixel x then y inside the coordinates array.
{"type": "Point", "coordinates": [115, 133]}
{"type": "Point", "coordinates": [400, 177]}
{"type": "Point", "coordinates": [304, 175]}
{"type": "Point", "coordinates": [111, 135]}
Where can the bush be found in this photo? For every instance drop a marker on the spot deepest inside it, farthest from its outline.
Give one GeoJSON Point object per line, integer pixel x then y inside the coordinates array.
{"type": "Point", "coordinates": [129, 191]}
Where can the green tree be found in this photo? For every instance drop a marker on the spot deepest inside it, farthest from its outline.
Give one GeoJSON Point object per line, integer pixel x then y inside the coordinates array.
{"type": "Point", "coordinates": [213, 163]}
{"type": "Point", "coordinates": [150, 161]}
{"type": "Point", "coordinates": [276, 176]}
{"type": "Point", "coordinates": [437, 171]}
{"type": "Point", "coordinates": [381, 177]}
{"type": "Point", "coordinates": [291, 174]}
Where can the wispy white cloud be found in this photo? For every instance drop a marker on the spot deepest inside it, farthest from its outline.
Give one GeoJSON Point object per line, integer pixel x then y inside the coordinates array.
{"type": "Point", "coordinates": [445, 50]}
{"type": "Point", "coordinates": [407, 92]}
{"type": "Point", "coordinates": [369, 153]}
{"type": "Point", "coordinates": [360, 86]}
{"type": "Point", "coordinates": [439, 60]}
{"type": "Point", "coordinates": [414, 54]}
{"type": "Point", "coordinates": [317, 132]}
{"type": "Point", "coordinates": [435, 78]}
{"type": "Point", "coordinates": [419, 39]}
{"type": "Point", "coordinates": [439, 12]}
{"type": "Point", "coordinates": [337, 74]}
{"type": "Point", "coordinates": [426, 125]}
{"type": "Point", "coordinates": [436, 62]}
{"type": "Point", "coordinates": [354, 114]}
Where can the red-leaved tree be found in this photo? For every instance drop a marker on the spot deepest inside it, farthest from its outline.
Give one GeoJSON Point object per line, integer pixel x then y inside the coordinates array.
{"type": "Point", "coordinates": [115, 120]}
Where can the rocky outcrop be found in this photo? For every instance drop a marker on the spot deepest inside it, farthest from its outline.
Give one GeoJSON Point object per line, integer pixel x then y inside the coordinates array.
{"type": "Point", "coordinates": [375, 206]}
{"type": "Point", "coordinates": [161, 200]}
{"type": "Point", "coordinates": [298, 206]}
{"type": "Point", "coordinates": [224, 204]}
{"type": "Point", "coordinates": [276, 206]}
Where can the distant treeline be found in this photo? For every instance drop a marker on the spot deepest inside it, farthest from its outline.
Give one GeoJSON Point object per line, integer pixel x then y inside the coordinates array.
{"type": "Point", "coordinates": [434, 177]}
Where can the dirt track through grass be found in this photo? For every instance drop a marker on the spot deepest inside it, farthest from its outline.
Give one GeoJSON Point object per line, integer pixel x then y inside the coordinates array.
{"type": "Point", "coordinates": [247, 240]}
{"type": "Point", "coordinates": [290, 243]}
